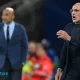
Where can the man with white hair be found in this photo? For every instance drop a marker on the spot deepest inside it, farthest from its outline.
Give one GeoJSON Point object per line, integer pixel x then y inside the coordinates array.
{"type": "Point", "coordinates": [13, 46]}
{"type": "Point", "coordinates": [69, 68]}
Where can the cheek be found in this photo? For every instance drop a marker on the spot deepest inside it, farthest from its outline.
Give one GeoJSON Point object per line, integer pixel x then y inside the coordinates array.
{"type": "Point", "coordinates": [5, 17]}
{"type": "Point", "coordinates": [78, 16]}
{"type": "Point", "coordinates": [31, 49]}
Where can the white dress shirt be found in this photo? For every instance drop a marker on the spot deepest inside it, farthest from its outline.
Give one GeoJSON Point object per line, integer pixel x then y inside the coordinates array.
{"type": "Point", "coordinates": [11, 29]}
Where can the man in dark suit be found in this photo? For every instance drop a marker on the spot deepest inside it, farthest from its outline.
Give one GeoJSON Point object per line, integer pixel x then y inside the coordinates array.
{"type": "Point", "coordinates": [70, 57]}
{"type": "Point", "coordinates": [13, 46]}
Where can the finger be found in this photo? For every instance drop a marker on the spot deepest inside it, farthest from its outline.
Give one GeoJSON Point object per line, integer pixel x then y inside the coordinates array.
{"type": "Point", "coordinates": [60, 78]}
{"type": "Point", "coordinates": [60, 32]}
{"type": "Point", "coordinates": [56, 78]}
{"type": "Point", "coordinates": [60, 36]}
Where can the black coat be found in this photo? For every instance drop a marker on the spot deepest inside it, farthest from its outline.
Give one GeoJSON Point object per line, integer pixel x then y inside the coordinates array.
{"type": "Point", "coordinates": [70, 55]}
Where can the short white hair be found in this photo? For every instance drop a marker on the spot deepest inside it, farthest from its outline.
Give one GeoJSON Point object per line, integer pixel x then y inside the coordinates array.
{"type": "Point", "coordinates": [9, 9]}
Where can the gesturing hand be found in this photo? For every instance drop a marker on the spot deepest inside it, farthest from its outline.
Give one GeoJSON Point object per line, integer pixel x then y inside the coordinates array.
{"type": "Point", "coordinates": [58, 75]}
{"type": "Point", "coordinates": [63, 35]}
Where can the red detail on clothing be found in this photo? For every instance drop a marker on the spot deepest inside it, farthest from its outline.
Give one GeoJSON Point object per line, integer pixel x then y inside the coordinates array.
{"type": "Point", "coordinates": [45, 69]}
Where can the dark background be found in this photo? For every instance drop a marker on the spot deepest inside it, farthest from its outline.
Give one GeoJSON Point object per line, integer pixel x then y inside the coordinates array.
{"type": "Point", "coordinates": [42, 19]}
{"type": "Point", "coordinates": [56, 16]}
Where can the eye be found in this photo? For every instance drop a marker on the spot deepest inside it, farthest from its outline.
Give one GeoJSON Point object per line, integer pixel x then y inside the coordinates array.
{"type": "Point", "coordinates": [75, 10]}
{"type": "Point", "coordinates": [6, 15]}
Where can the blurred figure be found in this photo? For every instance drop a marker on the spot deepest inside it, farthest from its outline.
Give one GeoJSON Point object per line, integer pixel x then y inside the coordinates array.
{"type": "Point", "coordinates": [50, 52]}
{"type": "Point", "coordinates": [30, 61]}
{"type": "Point", "coordinates": [43, 68]}
{"type": "Point", "coordinates": [13, 46]}
{"type": "Point", "coordinates": [69, 68]}
{"type": "Point", "coordinates": [32, 51]}
{"type": "Point", "coordinates": [32, 48]}
{"type": "Point", "coordinates": [52, 55]}
{"type": "Point", "coordinates": [28, 67]}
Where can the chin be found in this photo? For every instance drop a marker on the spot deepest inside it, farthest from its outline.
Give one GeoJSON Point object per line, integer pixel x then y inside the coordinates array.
{"type": "Point", "coordinates": [75, 21]}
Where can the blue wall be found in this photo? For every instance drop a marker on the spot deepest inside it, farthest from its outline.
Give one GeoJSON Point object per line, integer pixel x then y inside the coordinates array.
{"type": "Point", "coordinates": [56, 16]}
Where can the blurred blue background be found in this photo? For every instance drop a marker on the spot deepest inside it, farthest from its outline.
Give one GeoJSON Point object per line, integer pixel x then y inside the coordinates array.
{"type": "Point", "coordinates": [56, 16]}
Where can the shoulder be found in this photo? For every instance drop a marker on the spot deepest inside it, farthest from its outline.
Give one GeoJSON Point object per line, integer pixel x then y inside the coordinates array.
{"type": "Point", "coordinates": [46, 58]}
{"type": "Point", "coordinates": [20, 26]}
{"type": "Point", "coordinates": [1, 24]}
{"type": "Point", "coordinates": [68, 26]}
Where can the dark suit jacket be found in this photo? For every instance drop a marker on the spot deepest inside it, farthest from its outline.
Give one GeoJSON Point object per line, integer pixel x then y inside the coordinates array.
{"type": "Point", "coordinates": [71, 50]}
{"type": "Point", "coordinates": [17, 47]}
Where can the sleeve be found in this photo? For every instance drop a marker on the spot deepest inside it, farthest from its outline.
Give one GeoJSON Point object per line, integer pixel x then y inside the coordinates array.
{"type": "Point", "coordinates": [64, 49]}
{"type": "Point", "coordinates": [63, 56]}
{"type": "Point", "coordinates": [24, 45]}
{"type": "Point", "coordinates": [75, 41]}
{"type": "Point", "coordinates": [45, 71]}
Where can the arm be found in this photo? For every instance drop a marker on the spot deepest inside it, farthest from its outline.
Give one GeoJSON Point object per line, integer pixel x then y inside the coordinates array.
{"type": "Point", "coordinates": [62, 62]}
{"type": "Point", "coordinates": [63, 56]}
{"type": "Point", "coordinates": [65, 35]}
{"type": "Point", "coordinates": [45, 71]}
{"type": "Point", "coordinates": [75, 41]}
{"type": "Point", "coordinates": [24, 45]}
{"type": "Point", "coordinates": [68, 29]}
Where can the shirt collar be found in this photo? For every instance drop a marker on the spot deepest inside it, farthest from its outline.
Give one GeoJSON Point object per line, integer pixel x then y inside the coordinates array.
{"type": "Point", "coordinates": [10, 25]}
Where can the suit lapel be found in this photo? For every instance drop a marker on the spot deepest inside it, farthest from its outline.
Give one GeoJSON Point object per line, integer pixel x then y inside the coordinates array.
{"type": "Point", "coordinates": [2, 33]}
{"type": "Point", "coordinates": [14, 32]}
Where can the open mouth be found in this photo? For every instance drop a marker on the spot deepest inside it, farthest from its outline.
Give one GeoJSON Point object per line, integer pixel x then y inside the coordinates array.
{"type": "Point", "coordinates": [73, 17]}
